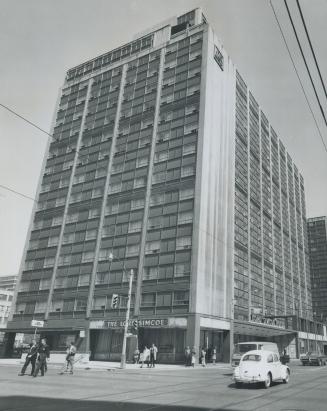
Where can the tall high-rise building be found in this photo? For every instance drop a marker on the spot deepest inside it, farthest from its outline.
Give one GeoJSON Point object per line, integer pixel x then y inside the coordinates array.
{"type": "Point", "coordinates": [317, 235]}
{"type": "Point", "coordinates": [163, 162]}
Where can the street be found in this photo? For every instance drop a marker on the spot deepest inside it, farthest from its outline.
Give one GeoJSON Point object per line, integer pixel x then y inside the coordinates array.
{"type": "Point", "coordinates": [159, 389]}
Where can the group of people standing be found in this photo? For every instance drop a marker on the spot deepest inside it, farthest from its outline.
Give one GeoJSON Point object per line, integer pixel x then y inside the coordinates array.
{"type": "Point", "coordinates": [147, 356]}
{"type": "Point", "coordinates": [39, 354]}
{"type": "Point", "coordinates": [190, 356]}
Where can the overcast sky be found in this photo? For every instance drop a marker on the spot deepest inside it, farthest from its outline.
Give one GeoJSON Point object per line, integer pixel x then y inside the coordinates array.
{"type": "Point", "coordinates": [41, 39]}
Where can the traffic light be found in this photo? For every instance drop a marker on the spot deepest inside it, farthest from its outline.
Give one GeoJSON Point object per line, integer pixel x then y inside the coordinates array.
{"type": "Point", "coordinates": [134, 327]}
{"type": "Point", "coordinates": [114, 301]}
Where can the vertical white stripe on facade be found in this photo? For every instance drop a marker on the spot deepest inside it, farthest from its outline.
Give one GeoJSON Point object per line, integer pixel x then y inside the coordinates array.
{"type": "Point", "coordinates": [213, 214]}
{"type": "Point", "coordinates": [71, 181]}
{"type": "Point", "coordinates": [105, 192]}
{"type": "Point", "coordinates": [148, 187]}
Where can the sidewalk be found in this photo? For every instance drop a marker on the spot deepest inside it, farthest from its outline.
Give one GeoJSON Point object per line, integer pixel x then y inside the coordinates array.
{"type": "Point", "coordinates": [113, 366]}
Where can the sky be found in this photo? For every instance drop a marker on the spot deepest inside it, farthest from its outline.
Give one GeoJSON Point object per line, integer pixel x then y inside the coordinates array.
{"type": "Point", "coordinates": [41, 39]}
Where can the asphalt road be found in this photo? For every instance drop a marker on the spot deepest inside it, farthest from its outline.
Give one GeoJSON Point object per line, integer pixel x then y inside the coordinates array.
{"type": "Point", "coordinates": [154, 389]}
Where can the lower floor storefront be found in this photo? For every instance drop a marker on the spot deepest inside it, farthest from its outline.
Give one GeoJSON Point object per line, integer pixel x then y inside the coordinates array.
{"type": "Point", "coordinates": [102, 339]}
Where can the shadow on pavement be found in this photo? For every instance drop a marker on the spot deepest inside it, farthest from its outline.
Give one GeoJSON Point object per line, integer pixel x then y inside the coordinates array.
{"type": "Point", "coordinates": [19, 403]}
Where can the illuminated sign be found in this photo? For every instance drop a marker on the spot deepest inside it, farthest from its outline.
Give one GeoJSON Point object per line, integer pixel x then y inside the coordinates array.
{"type": "Point", "coordinates": [279, 322]}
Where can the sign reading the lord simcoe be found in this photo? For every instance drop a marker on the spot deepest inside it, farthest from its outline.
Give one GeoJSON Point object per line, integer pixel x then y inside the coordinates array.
{"type": "Point", "coordinates": [144, 322]}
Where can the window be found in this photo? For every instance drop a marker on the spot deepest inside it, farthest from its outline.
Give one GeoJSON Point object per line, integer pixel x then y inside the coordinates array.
{"type": "Point", "coordinates": [148, 300]}
{"type": "Point", "coordinates": [182, 269]}
{"type": "Point", "coordinates": [185, 217]}
{"type": "Point", "coordinates": [139, 182]}
{"type": "Point", "coordinates": [99, 303]}
{"type": "Point", "coordinates": [40, 307]}
{"type": "Point", "coordinates": [138, 203]}
{"type": "Point", "coordinates": [52, 241]}
{"type": "Point", "coordinates": [152, 246]}
{"type": "Point", "coordinates": [183, 242]}
{"type": "Point", "coordinates": [87, 256]}
{"type": "Point", "coordinates": [132, 250]}
{"type": "Point", "coordinates": [164, 299]}
{"type": "Point", "coordinates": [186, 193]}
{"type": "Point", "coordinates": [253, 357]}
{"type": "Point", "coordinates": [270, 358]}
{"type": "Point", "coordinates": [83, 280]}
{"type": "Point", "coordinates": [142, 161]}
{"type": "Point", "coordinates": [134, 226]}
{"type": "Point", "coordinates": [57, 220]}
{"type": "Point", "coordinates": [45, 284]}
{"type": "Point", "coordinates": [187, 171]}
{"type": "Point", "coordinates": [90, 234]}
{"type": "Point", "coordinates": [80, 304]}
{"type": "Point", "coordinates": [57, 305]}
{"type": "Point", "coordinates": [181, 297]}
{"type": "Point", "coordinates": [94, 212]}
{"type": "Point", "coordinates": [150, 273]}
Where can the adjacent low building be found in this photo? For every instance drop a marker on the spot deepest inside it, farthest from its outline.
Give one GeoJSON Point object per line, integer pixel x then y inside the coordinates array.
{"type": "Point", "coordinates": [163, 162]}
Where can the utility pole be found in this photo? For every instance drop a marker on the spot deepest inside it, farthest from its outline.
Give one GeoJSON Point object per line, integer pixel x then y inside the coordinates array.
{"type": "Point", "coordinates": [123, 353]}
{"type": "Point", "coordinates": [231, 332]}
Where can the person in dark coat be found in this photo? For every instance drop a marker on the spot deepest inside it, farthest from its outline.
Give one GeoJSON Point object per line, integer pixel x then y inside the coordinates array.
{"type": "Point", "coordinates": [30, 358]}
{"type": "Point", "coordinates": [43, 355]}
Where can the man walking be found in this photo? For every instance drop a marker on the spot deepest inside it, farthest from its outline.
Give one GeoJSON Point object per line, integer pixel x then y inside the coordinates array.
{"type": "Point", "coordinates": [153, 355]}
{"type": "Point", "coordinates": [43, 355]}
{"type": "Point", "coordinates": [30, 358]}
{"type": "Point", "coordinates": [71, 351]}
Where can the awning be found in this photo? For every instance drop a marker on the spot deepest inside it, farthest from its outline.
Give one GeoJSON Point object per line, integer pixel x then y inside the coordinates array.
{"type": "Point", "coordinates": [259, 330]}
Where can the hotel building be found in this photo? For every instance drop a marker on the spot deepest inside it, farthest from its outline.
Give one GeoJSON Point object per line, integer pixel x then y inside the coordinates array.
{"type": "Point", "coordinates": [317, 235]}
{"type": "Point", "coordinates": [162, 158]}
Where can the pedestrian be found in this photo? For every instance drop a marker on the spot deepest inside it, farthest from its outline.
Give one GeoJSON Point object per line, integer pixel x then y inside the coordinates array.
{"type": "Point", "coordinates": [153, 355]}
{"type": "Point", "coordinates": [30, 358]}
{"type": "Point", "coordinates": [214, 355]}
{"type": "Point", "coordinates": [145, 357]}
{"type": "Point", "coordinates": [203, 357]}
{"type": "Point", "coordinates": [43, 355]}
{"type": "Point", "coordinates": [187, 356]}
{"type": "Point", "coordinates": [70, 357]}
{"type": "Point", "coordinates": [136, 356]}
{"type": "Point", "coordinates": [193, 356]}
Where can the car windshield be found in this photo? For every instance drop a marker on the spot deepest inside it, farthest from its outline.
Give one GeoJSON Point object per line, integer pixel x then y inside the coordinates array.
{"type": "Point", "coordinates": [252, 357]}
{"type": "Point", "coordinates": [242, 348]}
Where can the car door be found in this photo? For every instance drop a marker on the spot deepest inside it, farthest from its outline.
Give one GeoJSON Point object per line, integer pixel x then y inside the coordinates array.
{"type": "Point", "coordinates": [278, 368]}
{"type": "Point", "coordinates": [271, 365]}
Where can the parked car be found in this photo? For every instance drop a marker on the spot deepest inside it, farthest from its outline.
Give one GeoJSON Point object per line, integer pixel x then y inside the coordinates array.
{"type": "Point", "coordinates": [243, 347]}
{"type": "Point", "coordinates": [260, 366]}
{"type": "Point", "coordinates": [313, 358]}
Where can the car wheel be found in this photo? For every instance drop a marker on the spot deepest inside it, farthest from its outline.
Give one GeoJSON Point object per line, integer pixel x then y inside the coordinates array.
{"type": "Point", "coordinates": [287, 377]}
{"type": "Point", "coordinates": [267, 382]}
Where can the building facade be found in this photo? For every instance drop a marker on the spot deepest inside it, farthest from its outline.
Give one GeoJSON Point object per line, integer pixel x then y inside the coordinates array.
{"type": "Point", "coordinates": [8, 282]}
{"type": "Point", "coordinates": [162, 159]}
{"type": "Point", "coordinates": [6, 297]}
{"type": "Point", "coordinates": [317, 234]}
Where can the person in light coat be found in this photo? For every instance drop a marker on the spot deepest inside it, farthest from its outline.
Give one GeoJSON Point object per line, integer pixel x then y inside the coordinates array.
{"type": "Point", "coordinates": [145, 357]}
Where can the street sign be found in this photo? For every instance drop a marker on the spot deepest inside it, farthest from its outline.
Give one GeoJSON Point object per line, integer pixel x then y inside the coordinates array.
{"type": "Point", "coordinates": [37, 323]}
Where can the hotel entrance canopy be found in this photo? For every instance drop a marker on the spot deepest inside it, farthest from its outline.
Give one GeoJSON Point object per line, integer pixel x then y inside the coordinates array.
{"type": "Point", "coordinates": [260, 330]}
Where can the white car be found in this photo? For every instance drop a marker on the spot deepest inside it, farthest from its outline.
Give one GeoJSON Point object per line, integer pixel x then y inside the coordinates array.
{"type": "Point", "coordinates": [260, 366]}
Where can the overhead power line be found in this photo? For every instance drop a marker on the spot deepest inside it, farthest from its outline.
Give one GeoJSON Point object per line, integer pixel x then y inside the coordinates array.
{"type": "Point", "coordinates": [311, 47]}
{"type": "Point", "coordinates": [297, 74]}
{"type": "Point", "coordinates": [18, 193]}
{"type": "Point", "coordinates": [305, 61]}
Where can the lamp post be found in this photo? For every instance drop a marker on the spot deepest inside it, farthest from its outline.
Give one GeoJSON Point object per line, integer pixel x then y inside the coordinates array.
{"type": "Point", "coordinates": [123, 353]}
